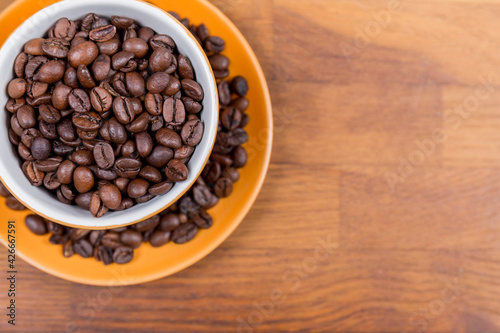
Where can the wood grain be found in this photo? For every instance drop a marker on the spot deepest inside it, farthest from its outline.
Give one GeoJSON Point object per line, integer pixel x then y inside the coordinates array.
{"type": "Point", "coordinates": [416, 254]}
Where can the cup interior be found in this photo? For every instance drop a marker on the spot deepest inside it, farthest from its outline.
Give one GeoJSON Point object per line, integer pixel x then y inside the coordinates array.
{"type": "Point", "coordinates": [41, 201]}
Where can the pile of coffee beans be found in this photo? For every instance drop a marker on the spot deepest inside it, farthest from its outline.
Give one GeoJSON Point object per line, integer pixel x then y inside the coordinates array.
{"type": "Point", "coordinates": [181, 222]}
{"type": "Point", "coordinates": [104, 112]}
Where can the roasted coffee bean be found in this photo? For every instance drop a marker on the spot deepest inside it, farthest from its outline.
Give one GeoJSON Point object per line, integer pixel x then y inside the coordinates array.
{"type": "Point", "coordinates": [144, 144]}
{"type": "Point", "coordinates": [68, 192]}
{"type": "Point", "coordinates": [241, 103]}
{"type": "Point", "coordinates": [156, 83]}
{"type": "Point", "coordinates": [62, 198]}
{"type": "Point", "coordinates": [58, 239]}
{"type": "Point", "coordinates": [101, 67]}
{"type": "Point", "coordinates": [202, 219]}
{"type": "Point", "coordinates": [35, 224]}
{"type": "Point", "coordinates": [110, 196]}
{"type": "Point", "coordinates": [131, 238]}
{"type": "Point", "coordinates": [82, 54]}
{"type": "Point", "coordinates": [83, 179]}
{"type": "Point", "coordinates": [192, 89]}
{"type": "Point", "coordinates": [79, 101]}
{"type": "Point", "coordinates": [83, 248]}
{"type": "Point", "coordinates": [135, 84]}
{"type": "Point", "coordinates": [161, 188]}
{"type": "Point", "coordinates": [68, 250]}
{"type": "Point", "coordinates": [245, 118]}
{"type": "Point", "coordinates": [83, 200]}
{"type": "Point", "coordinates": [160, 156]}
{"type": "Point", "coordinates": [103, 33]}
{"type": "Point", "coordinates": [145, 33]}
{"type": "Point", "coordinates": [173, 86]}
{"type": "Point", "coordinates": [34, 46]}
{"type": "Point", "coordinates": [137, 188]}
{"type": "Point", "coordinates": [212, 172]}
{"type": "Point", "coordinates": [104, 155]}
{"type": "Point", "coordinates": [84, 77]}
{"type": "Point", "coordinates": [168, 138]}
{"type": "Point", "coordinates": [26, 117]}
{"type": "Point", "coordinates": [223, 187]}
{"type": "Point", "coordinates": [117, 132]}
{"type": "Point", "coordinates": [95, 237]}
{"type": "Point", "coordinates": [17, 88]}
{"type": "Point", "coordinates": [240, 157]}
{"type": "Point", "coordinates": [185, 68]}
{"type": "Point", "coordinates": [101, 99]}
{"type": "Point", "coordinates": [137, 46]}
{"type": "Point", "coordinates": [162, 41]}
{"type": "Point", "coordinates": [77, 234]}
{"type": "Point", "coordinates": [87, 121]}
{"type": "Point", "coordinates": [239, 86]}
{"type": "Point", "coordinates": [231, 118]}
{"type": "Point", "coordinates": [14, 138]}
{"type": "Point", "coordinates": [24, 152]}
{"type": "Point", "coordinates": [36, 89]}
{"type": "Point", "coordinates": [20, 64]}
{"type": "Point", "coordinates": [49, 114]}
{"type": "Point", "coordinates": [121, 22]}
{"type": "Point", "coordinates": [104, 254]}
{"type": "Point", "coordinates": [224, 92]}
{"type": "Point", "coordinates": [31, 172]}
{"type": "Point", "coordinates": [41, 148]}
{"type": "Point", "coordinates": [169, 222]}
{"type": "Point", "coordinates": [125, 204]}
{"type": "Point", "coordinates": [120, 59]}
{"type": "Point", "coordinates": [14, 104]}
{"type": "Point", "coordinates": [96, 206]}
{"type": "Point", "coordinates": [219, 62]}
{"type": "Point", "coordinates": [147, 224]}
{"type": "Point", "coordinates": [214, 44]}
{"type": "Point", "coordinates": [232, 173]}
{"type": "Point", "coordinates": [184, 233]}
{"type": "Point", "coordinates": [123, 110]}
{"type": "Point", "coordinates": [28, 136]}
{"type": "Point", "coordinates": [140, 124]}
{"type": "Point", "coordinates": [154, 104]}
{"type": "Point", "coordinates": [65, 172]}
{"type": "Point", "coordinates": [151, 173]}
{"type": "Point", "coordinates": [174, 112]}
{"type": "Point", "coordinates": [60, 97]}
{"type": "Point", "coordinates": [70, 78]}
{"type": "Point", "coordinates": [106, 174]}
{"type": "Point", "coordinates": [192, 132]}
{"type": "Point", "coordinates": [204, 197]}
{"type": "Point", "coordinates": [56, 47]}
{"type": "Point", "coordinates": [123, 255]}
{"type": "Point", "coordinates": [65, 29]}
{"type": "Point", "coordinates": [34, 65]}
{"type": "Point", "coordinates": [159, 238]}
{"type": "Point", "coordinates": [161, 59]}
{"type": "Point", "coordinates": [127, 167]}
{"type": "Point", "coordinates": [176, 171]}
{"type": "Point", "coordinates": [110, 47]}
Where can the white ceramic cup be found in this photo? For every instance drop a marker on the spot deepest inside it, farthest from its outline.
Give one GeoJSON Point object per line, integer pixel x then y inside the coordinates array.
{"type": "Point", "coordinates": [37, 198]}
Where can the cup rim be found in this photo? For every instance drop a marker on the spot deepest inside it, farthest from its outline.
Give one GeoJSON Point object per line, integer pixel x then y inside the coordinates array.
{"type": "Point", "coordinates": [188, 185]}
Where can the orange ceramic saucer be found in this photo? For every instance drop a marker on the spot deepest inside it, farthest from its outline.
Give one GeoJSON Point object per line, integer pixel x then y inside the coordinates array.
{"type": "Point", "coordinates": [154, 263]}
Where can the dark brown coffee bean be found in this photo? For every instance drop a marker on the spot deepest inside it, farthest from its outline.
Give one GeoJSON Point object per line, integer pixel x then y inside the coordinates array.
{"type": "Point", "coordinates": [176, 171]}
{"type": "Point", "coordinates": [84, 77]}
{"type": "Point", "coordinates": [28, 136]}
{"type": "Point", "coordinates": [14, 104]}
{"type": "Point", "coordinates": [224, 90]}
{"type": "Point", "coordinates": [20, 64]}
{"type": "Point", "coordinates": [123, 110]}
{"type": "Point", "coordinates": [68, 250]}
{"type": "Point", "coordinates": [123, 255]}
{"type": "Point", "coordinates": [24, 152]}
{"type": "Point", "coordinates": [173, 111]}
{"type": "Point", "coordinates": [49, 165]}
{"type": "Point", "coordinates": [192, 132]}
{"type": "Point", "coordinates": [36, 89]}
{"type": "Point", "coordinates": [127, 167]}
{"type": "Point", "coordinates": [58, 239]}
{"type": "Point", "coordinates": [160, 156]}
{"type": "Point", "coordinates": [202, 219]}
{"type": "Point", "coordinates": [82, 54]}
{"type": "Point", "coordinates": [41, 148]}
{"type": "Point", "coordinates": [156, 83]}
{"type": "Point", "coordinates": [144, 143]}
{"type": "Point", "coordinates": [83, 248]}
{"type": "Point", "coordinates": [70, 78]}
{"type": "Point", "coordinates": [65, 29]}
{"type": "Point", "coordinates": [135, 84]}
{"type": "Point", "coordinates": [17, 88]}
{"type": "Point", "coordinates": [34, 47]}
{"type": "Point", "coordinates": [56, 47]}
{"type": "Point", "coordinates": [100, 99]}
{"type": "Point", "coordinates": [96, 206]}
{"type": "Point", "coordinates": [151, 174]}
{"type": "Point", "coordinates": [168, 138]}
{"type": "Point", "coordinates": [184, 233]}
{"type": "Point", "coordinates": [231, 118]}
{"type": "Point", "coordinates": [26, 117]}
{"type": "Point", "coordinates": [68, 192]}
{"type": "Point", "coordinates": [154, 103]}
{"type": "Point", "coordinates": [110, 196]}
{"type": "Point", "coordinates": [34, 175]}
{"type": "Point", "coordinates": [77, 234]}
{"type": "Point", "coordinates": [103, 33]}
{"type": "Point", "coordinates": [125, 204]}
{"type": "Point", "coordinates": [162, 41]}
{"type": "Point", "coordinates": [13, 137]}
{"type": "Point", "coordinates": [120, 59]}
{"type": "Point", "coordinates": [204, 197]}
{"type": "Point", "coordinates": [83, 200]}
{"type": "Point", "coordinates": [169, 222]}
{"type": "Point", "coordinates": [129, 149]}
{"type": "Point", "coordinates": [87, 121]}
{"type": "Point", "coordinates": [161, 188]}
{"type": "Point", "coordinates": [95, 237]}
{"type": "Point", "coordinates": [159, 238]}
{"type": "Point", "coordinates": [185, 67]}
{"type": "Point", "coordinates": [131, 238]}
{"type": "Point", "coordinates": [83, 179]}
{"type": "Point", "coordinates": [110, 48]}
{"type": "Point", "coordinates": [240, 157]}
{"type": "Point", "coordinates": [173, 86]}
{"type": "Point", "coordinates": [34, 65]}
{"type": "Point", "coordinates": [140, 124]}
{"type": "Point", "coordinates": [60, 97]}
{"type": "Point", "coordinates": [104, 155]}
{"type": "Point", "coordinates": [161, 59]}
{"type": "Point", "coordinates": [232, 173]}
{"type": "Point", "coordinates": [137, 188]}
{"type": "Point", "coordinates": [121, 22]}
{"type": "Point", "coordinates": [79, 101]}
{"type": "Point", "coordinates": [137, 46]}
{"type": "Point", "coordinates": [147, 224]}
{"type": "Point", "coordinates": [101, 67]}
{"type": "Point", "coordinates": [49, 114]}
{"type": "Point", "coordinates": [35, 224]}
{"type": "Point", "coordinates": [223, 187]}
{"type": "Point", "coordinates": [241, 103]}
{"type": "Point", "coordinates": [48, 130]}
{"type": "Point", "coordinates": [192, 89]}
{"type": "Point", "coordinates": [106, 174]}
{"type": "Point", "coordinates": [65, 172]}
{"type": "Point", "coordinates": [214, 44]}
{"type": "Point", "coordinates": [219, 62]}
{"type": "Point", "coordinates": [239, 86]}
{"type": "Point", "coordinates": [104, 254]}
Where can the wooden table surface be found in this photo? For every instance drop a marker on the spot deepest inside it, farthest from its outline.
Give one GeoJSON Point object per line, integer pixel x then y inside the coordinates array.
{"type": "Point", "coordinates": [380, 212]}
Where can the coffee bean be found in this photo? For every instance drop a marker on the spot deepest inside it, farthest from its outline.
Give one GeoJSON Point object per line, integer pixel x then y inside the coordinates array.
{"type": "Point", "coordinates": [65, 29]}
{"type": "Point", "coordinates": [176, 171]}
{"type": "Point", "coordinates": [159, 238]}
{"type": "Point", "coordinates": [224, 92]}
{"type": "Point", "coordinates": [34, 46]}
{"type": "Point", "coordinates": [231, 118]}
{"type": "Point", "coordinates": [156, 83]}
{"type": "Point", "coordinates": [123, 255]}
{"type": "Point", "coordinates": [20, 64]}
{"type": "Point", "coordinates": [169, 222]}
{"type": "Point", "coordinates": [65, 172]}
{"type": "Point", "coordinates": [120, 59]}
{"type": "Point", "coordinates": [121, 22]}
{"type": "Point", "coordinates": [184, 233]}
{"type": "Point", "coordinates": [35, 224]}
{"type": "Point", "coordinates": [144, 144]}
{"type": "Point", "coordinates": [161, 59]}
{"type": "Point", "coordinates": [192, 132]}
{"type": "Point", "coordinates": [214, 44]}
{"type": "Point", "coordinates": [192, 89]}
{"type": "Point", "coordinates": [26, 117]}
{"type": "Point", "coordinates": [223, 187]}
{"type": "Point", "coordinates": [104, 155]}
{"type": "Point", "coordinates": [202, 219]}
{"type": "Point", "coordinates": [123, 110]}
{"type": "Point", "coordinates": [204, 197]}
{"type": "Point", "coordinates": [103, 33]}
{"type": "Point", "coordinates": [147, 224]}
{"type": "Point", "coordinates": [17, 88]}
{"type": "Point", "coordinates": [127, 167]}
{"type": "Point", "coordinates": [83, 248]}
{"type": "Point", "coordinates": [79, 101]}
{"type": "Point", "coordinates": [100, 99]}
{"type": "Point", "coordinates": [83, 200]}
{"type": "Point", "coordinates": [41, 148]}
{"type": "Point", "coordinates": [135, 84]}
{"type": "Point", "coordinates": [96, 206]}
{"type": "Point", "coordinates": [84, 77]}
{"type": "Point", "coordinates": [68, 250]}
{"type": "Point", "coordinates": [83, 179]}
{"type": "Point", "coordinates": [173, 111]}
{"type": "Point", "coordinates": [162, 41]}
{"type": "Point", "coordinates": [82, 54]}
{"type": "Point", "coordinates": [137, 46]}
{"type": "Point", "coordinates": [104, 254]}
{"type": "Point", "coordinates": [173, 86]}
{"type": "Point", "coordinates": [131, 238]}
{"type": "Point", "coordinates": [140, 124]}
{"type": "Point", "coordinates": [137, 188]}
{"type": "Point", "coordinates": [168, 138]}
{"type": "Point", "coordinates": [77, 234]}
{"type": "Point", "coordinates": [110, 196]}
{"type": "Point", "coordinates": [56, 47]}
{"type": "Point", "coordinates": [87, 121]}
